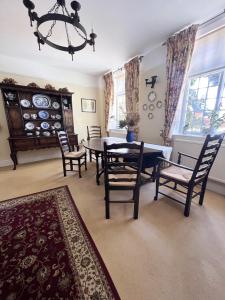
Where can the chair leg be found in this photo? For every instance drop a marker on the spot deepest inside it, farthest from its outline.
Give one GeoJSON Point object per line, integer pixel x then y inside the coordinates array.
{"type": "Point", "coordinates": [79, 167]}
{"type": "Point", "coordinates": [90, 155]}
{"type": "Point", "coordinates": [136, 204]}
{"type": "Point", "coordinates": [85, 161]}
{"type": "Point", "coordinates": [156, 188]}
{"type": "Point", "coordinates": [71, 165]}
{"type": "Point", "coordinates": [188, 202]}
{"type": "Point", "coordinates": [64, 168]}
{"type": "Point", "coordinates": [107, 210]}
{"type": "Point", "coordinates": [201, 199]}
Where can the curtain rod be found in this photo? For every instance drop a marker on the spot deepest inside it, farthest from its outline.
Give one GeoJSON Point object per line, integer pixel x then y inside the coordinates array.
{"type": "Point", "coordinates": [121, 68]}
{"type": "Point", "coordinates": [202, 24]}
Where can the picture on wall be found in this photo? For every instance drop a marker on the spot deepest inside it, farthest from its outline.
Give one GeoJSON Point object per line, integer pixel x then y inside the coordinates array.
{"type": "Point", "coordinates": [88, 105]}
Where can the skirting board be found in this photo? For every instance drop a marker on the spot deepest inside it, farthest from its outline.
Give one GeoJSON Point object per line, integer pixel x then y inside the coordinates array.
{"type": "Point", "coordinates": [5, 163]}
{"type": "Point", "coordinates": [22, 159]}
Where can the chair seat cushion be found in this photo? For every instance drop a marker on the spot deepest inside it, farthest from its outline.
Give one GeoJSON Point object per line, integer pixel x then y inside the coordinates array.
{"type": "Point", "coordinates": [74, 154]}
{"type": "Point", "coordinates": [177, 173]}
{"type": "Point", "coordinates": [122, 176]}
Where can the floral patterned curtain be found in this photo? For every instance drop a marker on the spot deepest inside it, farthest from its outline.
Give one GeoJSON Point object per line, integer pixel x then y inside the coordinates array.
{"type": "Point", "coordinates": [109, 96]}
{"type": "Point", "coordinates": [132, 87]}
{"type": "Point", "coordinates": [179, 51]}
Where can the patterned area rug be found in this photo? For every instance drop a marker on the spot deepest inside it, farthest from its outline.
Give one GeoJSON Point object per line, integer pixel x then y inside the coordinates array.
{"type": "Point", "coordinates": [46, 251]}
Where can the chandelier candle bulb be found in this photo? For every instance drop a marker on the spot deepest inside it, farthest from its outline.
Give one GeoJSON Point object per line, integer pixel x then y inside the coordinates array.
{"type": "Point", "coordinates": [60, 13]}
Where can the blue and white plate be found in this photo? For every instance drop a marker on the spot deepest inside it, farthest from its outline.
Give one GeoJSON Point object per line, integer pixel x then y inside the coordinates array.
{"type": "Point", "coordinates": [25, 103]}
{"type": "Point", "coordinates": [45, 125]}
{"type": "Point", "coordinates": [43, 114]}
{"type": "Point", "coordinates": [41, 101]}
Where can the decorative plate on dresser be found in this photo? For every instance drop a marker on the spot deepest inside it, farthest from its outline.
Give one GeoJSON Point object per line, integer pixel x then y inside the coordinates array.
{"type": "Point", "coordinates": [29, 126]}
{"type": "Point", "coordinates": [43, 114]}
{"type": "Point", "coordinates": [41, 101]}
{"type": "Point", "coordinates": [45, 125]}
{"type": "Point", "coordinates": [25, 103]}
{"type": "Point", "coordinates": [57, 125]}
{"type": "Point", "coordinates": [55, 105]}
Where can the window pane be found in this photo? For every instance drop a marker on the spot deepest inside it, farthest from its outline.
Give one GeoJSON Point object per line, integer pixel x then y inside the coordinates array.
{"type": "Point", "coordinates": [212, 92]}
{"type": "Point", "coordinates": [120, 86]}
{"type": "Point", "coordinates": [203, 82]}
{"type": "Point", "coordinates": [193, 94]}
{"type": "Point", "coordinates": [202, 102]}
{"type": "Point", "coordinates": [193, 121]}
{"type": "Point", "coordinates": [121, 108]}
{"type": "Point", "coordinates": [221, 127]}
{"type": "Point", "coordinates": [206, 120]}
{"type": "Point", "coordinates": [194, 83]}
{"type": "Point", "coordinates": [214, 79]}
{"type": "Point", "coordinates": [202, 93]}
{"type": "Point", "coordinates": [197, 122]}
{"type": "Point", "coordinates": [210, 104]}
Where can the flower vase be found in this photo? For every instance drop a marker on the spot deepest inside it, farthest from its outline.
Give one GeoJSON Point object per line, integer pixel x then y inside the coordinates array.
{"type": "Point", "coordinates": [130, 135]}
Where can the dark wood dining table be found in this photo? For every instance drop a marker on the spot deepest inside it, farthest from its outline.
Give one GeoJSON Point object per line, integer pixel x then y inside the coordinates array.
{"type": "Point", "coordinates": [150, 156]}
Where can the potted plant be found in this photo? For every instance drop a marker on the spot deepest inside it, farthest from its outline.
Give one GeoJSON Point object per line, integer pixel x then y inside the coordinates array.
{"type": "Point", "coordinates": [130, 122]}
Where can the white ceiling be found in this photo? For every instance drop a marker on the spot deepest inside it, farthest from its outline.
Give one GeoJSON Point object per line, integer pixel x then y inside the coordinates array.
{"type": "Point", "coordinates": [125, 28]}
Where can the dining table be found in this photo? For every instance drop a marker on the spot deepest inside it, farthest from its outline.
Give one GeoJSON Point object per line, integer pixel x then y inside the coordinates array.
{"type": "Point", "coordinates": [151, 153]}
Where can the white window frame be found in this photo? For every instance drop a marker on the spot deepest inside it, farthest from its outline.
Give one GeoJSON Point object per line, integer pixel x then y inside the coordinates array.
{"type": "Point", "coordinates": [185, 98]}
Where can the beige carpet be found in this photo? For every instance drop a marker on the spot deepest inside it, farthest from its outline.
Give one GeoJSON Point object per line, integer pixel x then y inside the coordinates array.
{"type": "Point", "coordinates": [162, 255]}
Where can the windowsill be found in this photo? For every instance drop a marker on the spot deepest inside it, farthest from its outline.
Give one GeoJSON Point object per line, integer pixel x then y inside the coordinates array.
{"type": "Point", "coordinates": [196, 139]}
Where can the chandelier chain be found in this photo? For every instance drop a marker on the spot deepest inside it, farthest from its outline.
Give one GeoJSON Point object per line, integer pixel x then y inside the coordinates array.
{"type": "Point", "coordinates": [53, 23]}
{"type": "Point", "coordinates": [56, 5]}
{"type": "Point", "coordinates": [83, 37]}
{"type": "Point", "coordinates": [67, 33]}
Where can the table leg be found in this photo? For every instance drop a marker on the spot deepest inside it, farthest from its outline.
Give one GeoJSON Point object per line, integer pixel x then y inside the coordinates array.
{"type": "Point", "coordinates": [97, 168]}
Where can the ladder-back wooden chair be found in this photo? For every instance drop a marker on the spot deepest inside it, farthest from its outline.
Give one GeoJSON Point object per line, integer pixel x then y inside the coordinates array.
{"type": "Point", "coordinates": [92, 133]}
{"type": "Point", "coordinates": [71, 158]}
{"type": "Point", "coordinates": [121, 174]}
{"type": "Point", "coordinates": [189, 178]}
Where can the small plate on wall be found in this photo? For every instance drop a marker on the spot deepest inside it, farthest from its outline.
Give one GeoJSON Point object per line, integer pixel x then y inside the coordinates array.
{"type": "Point", "coordinates": [152, 96]}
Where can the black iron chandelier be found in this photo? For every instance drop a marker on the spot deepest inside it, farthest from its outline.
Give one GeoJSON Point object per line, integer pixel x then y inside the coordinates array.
{"type": "Point", "coordinates": [53, 16]}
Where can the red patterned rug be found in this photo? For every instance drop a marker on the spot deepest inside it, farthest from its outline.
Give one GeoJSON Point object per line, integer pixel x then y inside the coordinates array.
{"type": "Point", "coordinates": [46, 251]}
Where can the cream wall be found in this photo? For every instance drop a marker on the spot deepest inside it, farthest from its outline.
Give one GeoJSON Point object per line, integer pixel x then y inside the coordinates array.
{"type": "Point", "coordinates": [81, 119]}
{"type": "Point", "coordinates": [152, 64]}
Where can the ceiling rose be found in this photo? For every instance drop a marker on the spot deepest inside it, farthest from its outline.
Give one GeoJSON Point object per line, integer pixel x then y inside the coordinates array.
{"type": "Point", "coordinates": [60, 13]}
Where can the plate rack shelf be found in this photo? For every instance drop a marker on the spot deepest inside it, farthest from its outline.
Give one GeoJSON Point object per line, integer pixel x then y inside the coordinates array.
{"type": "Point", "coordinates": [33, 123]}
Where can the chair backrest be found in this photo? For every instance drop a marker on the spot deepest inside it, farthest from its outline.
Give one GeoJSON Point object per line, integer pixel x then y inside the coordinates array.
{"type": "Point", "coordinates": [63, 141]}
{"type": "Point", "coordinates": [93, 132]}
{"type": "Point", "coordinates": [207, 156]}
{"type": "Point", "coordinates": [124, 159]}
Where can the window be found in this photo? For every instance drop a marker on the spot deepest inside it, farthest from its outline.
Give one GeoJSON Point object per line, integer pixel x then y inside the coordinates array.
{"type": "Point", "coordinates": [118, 110]}
{"type": "Point", "coordinates": [205, 103]}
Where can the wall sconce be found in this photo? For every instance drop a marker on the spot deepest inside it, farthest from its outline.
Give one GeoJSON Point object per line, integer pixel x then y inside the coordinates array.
{"type": "Point", "coordinates": [152, 82]}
